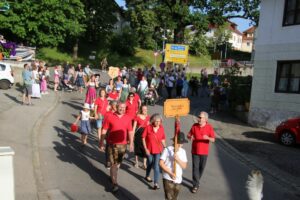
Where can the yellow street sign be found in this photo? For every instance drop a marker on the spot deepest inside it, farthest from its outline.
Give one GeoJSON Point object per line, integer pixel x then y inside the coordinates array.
{"type": "Point", "coordinates": [113, 72]}
{"type": "Point", "coordinates": [176, 107]}
{"type": "Point", "coordinates": [177, 53]}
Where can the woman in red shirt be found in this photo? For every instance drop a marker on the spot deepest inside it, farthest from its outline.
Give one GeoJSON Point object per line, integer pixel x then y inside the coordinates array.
{"type": "Point", "coordinates": [101, 107]}
{"type": "Point", "coordinates": [154, 141]}
{"type": "Point", "coordinates": [131, 106]}
{"type": "Point", "coordinates": [139, 124]}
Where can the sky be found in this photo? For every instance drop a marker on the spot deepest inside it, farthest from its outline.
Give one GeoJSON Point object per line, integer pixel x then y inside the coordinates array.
{"type": "Point", "coordinates": [242, 23]}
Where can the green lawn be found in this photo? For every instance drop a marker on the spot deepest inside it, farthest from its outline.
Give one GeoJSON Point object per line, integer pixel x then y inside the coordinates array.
{"type": "Point", "coordinates": [141, 58]}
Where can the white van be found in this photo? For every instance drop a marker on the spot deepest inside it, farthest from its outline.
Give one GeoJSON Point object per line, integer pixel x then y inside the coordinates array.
{"type": "Point", "coordinates": [6, 76]}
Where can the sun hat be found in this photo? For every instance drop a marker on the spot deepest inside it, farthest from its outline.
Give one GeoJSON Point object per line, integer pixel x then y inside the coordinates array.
{"type": "Point", "coordinates": [86, 106]}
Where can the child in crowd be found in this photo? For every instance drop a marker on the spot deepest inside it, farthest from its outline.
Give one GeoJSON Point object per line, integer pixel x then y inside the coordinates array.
{"type": "Point", "coordinates": [85, 125]}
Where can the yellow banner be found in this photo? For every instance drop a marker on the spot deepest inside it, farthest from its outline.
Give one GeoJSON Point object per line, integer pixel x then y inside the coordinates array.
{"type": "Point", "coordinates": [177, 53]}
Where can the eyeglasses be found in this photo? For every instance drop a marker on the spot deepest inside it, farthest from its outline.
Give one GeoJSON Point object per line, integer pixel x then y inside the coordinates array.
{"type": "Point", "coordinates": [200, 117]}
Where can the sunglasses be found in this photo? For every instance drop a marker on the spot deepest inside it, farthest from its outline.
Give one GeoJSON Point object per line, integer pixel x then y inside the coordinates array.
{"type": "Point", "coordinates": [200, 117]}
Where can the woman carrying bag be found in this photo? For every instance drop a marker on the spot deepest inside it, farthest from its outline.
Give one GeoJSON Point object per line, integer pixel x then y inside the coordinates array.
{"type": "Point", "coordinates": [154, 142]}
{"type": "Point", "coordinates": [140, 122]}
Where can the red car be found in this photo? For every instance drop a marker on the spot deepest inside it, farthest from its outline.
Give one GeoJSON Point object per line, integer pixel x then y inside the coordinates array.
{"type": "Point", "coordinates": [288, 132]}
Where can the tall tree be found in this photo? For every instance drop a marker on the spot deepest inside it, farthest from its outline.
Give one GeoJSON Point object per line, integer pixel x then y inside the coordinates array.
{"type": "Point", "coordinates": [143, 20]}
{"type": "Point", "coordinates": [175, 15]}
{"type": "Point", "coordinates": [100, 18]}
{"type": "Point", "coordinates": [43, 22]}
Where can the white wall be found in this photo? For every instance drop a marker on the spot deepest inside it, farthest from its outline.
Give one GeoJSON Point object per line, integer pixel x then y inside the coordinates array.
{"type": "Point", "coordinates": [273, 43]}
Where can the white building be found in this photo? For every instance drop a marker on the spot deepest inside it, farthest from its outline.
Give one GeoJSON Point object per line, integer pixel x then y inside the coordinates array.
{"type": "Point", "coordinates": [248, 39]}
{"type": "Point", "coordinates": [236, 36]}
{"type": "Point", "coordinates": [276, 81]}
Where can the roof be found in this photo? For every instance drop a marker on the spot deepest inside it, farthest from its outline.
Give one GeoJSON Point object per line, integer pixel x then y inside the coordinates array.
{"type": "Point", "coordinates": [232, 27]}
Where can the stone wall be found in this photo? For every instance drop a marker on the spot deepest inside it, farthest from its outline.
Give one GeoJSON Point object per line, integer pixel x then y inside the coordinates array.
{"type": "Point", "coordinates": [269, 119]}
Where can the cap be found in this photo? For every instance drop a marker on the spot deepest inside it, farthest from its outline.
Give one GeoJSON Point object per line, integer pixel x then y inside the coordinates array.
{"type": "Point", "coordinates": [181, 138]}
{"type": "Point", "coordinates": [86, 106]}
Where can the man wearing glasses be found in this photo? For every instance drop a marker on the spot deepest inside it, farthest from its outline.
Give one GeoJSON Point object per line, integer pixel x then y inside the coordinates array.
{"type": "Point", "coordinates": [201, 134]}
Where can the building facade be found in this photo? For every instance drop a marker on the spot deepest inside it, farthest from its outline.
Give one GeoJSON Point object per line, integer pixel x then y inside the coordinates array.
{"type": "Point", "coordinates": [248, 40]}
{"type": "Point", "coordinates": [275, 92]}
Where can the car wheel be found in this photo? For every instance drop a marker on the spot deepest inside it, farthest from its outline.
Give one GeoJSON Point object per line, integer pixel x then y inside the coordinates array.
{"type": "Point", "coordinates": [287, 138]}
{"type": "Point", "coordinates": [4, 84]}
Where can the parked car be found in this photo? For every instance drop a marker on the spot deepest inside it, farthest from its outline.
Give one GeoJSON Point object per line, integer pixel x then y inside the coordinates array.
{"type": "Point", "coordinates": [6, 76]}
{"type": "Point", "coordinates": [288, 132]}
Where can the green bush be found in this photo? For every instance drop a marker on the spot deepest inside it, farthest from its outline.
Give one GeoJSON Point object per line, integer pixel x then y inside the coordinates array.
{"type": "Point", "coordinates": [124, 43]}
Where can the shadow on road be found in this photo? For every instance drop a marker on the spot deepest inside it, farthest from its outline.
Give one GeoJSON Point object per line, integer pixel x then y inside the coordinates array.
{"type": "Point", "coordinates": [260, 135]}
{"type": "Point", "coordinates": [70, 151]}
{"type": "Point", "coordinates": [15, 99]}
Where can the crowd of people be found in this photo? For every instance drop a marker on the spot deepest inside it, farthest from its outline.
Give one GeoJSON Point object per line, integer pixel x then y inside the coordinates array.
{"type": "Point", "coordinates": [120, 115]}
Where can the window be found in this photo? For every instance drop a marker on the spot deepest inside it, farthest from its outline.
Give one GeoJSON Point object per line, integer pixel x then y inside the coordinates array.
{"type": "Point", "coordinates": [291, 12]}
{"type": "Point", "coordinates": [2, 67]}
{"type": "Point", "coordinates": [288, 77]}
{"type": "Point", "coordinates": [248, 44]}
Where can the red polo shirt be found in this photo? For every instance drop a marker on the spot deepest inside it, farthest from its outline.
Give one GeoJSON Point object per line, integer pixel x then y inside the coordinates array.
{"type": "Point", "coordinates": [153, 140]}
{"type": "Point", "coordinates": [199, 145]}
{"type": "Point", "coordinates": [131, 108]}
{"type": "Point", "coordinates": [101, 105]}
{"type": "Point", "coordinates": [118, 128]}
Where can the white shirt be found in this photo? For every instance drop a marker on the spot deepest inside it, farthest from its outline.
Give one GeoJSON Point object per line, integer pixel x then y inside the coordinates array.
{"type": "Point", "coordinates": [168, 157]}
{"type": "Point", "coordinates": [85, 116]}
{"type": "Point", "coordinates": [142, 85]}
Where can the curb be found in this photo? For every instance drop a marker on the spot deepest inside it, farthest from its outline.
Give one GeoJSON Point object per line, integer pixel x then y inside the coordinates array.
{"type": "Point", "coordinates": [38, 176]}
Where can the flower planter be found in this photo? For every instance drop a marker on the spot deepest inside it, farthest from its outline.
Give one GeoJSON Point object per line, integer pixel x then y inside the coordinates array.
{"type": "Point", "coordinates": [1, 56]}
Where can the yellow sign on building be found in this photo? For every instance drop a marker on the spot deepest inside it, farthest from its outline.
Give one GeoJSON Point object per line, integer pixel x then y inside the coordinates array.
{"type": "Point", "coordinates": [177, 53]}
{"type": "Point", "coordinates": [176, 107]}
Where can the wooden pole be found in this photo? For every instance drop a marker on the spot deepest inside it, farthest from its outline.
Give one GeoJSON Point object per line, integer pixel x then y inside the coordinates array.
{"type": "Point", "coordinates": [177, 130]}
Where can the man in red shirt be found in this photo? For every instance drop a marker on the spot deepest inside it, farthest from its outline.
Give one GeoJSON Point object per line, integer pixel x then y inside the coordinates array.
{"type": "Point", "coordinates": [120, 131]}
{"type": "Point", "coordinates": [201, 134]}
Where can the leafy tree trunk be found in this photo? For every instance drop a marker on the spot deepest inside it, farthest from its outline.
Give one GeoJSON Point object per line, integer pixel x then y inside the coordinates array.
{"type": "Point", "coordinates": [179, 34]}
{"type": "Point", "coordinates": [75, 50]}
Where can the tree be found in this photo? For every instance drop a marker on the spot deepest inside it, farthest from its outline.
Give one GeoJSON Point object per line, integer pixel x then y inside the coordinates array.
{"type": "Point", "coordinates": [43, 22]}
{"type": "Point", "coordinates": [100, 19]}
{"type": "Point", "coordinates": [175, 15]}
{"type": "Point", "coordinates": [143, 20]}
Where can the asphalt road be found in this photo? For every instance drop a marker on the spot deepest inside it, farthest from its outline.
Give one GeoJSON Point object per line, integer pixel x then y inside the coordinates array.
{"type": "Point", "coordinates": [67, 172]}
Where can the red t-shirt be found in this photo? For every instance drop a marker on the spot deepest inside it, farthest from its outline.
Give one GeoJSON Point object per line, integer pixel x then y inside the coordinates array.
{"type": "Point", "coordinates": [118, 128]}
{"type": "Point", "coordinates": [199, 145]}
{"type": "Point", "coordinates": [101, 105]}
{"type": "Point", "coordinates": [113, 95]}
{"type": "Point", "coordinates": [136, 98]}
{"type": "Point", "coordinates": [107, 114]}
{"type": "Point", "coordinates": [142, 122]}
{"type": "Point", "coordinates": [131, 108]}
{"type": "Point", "coordinates": [153, 140]}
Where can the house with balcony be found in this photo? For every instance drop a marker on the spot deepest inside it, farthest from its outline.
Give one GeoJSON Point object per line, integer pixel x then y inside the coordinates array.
{"type": "Point", "coordinates": [248, 39]}
{"type": "Point", "coordinates": [275, 94]}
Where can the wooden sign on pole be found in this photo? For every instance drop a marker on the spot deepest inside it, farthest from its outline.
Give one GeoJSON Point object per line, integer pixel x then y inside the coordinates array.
{"type": "Point", "coordinates": [176, 107]}
{"type": "Point", "coordinates": [113, 72]}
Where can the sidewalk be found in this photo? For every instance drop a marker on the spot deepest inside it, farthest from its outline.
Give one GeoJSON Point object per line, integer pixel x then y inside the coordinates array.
{"type": "Point", "coordinates": [21, 137]}
{"type": "Point", "coordinates": [258, 149]}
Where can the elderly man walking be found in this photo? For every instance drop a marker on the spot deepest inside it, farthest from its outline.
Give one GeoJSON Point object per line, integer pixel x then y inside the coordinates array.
{"type": "Point", "coordinates": [201, 134]}
{"type": "Point", "coordinates": [120, 130]}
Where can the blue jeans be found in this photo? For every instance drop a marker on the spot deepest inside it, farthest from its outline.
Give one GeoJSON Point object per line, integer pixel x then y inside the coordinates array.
{"type": "Point", "coordinates": [153, 161]}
